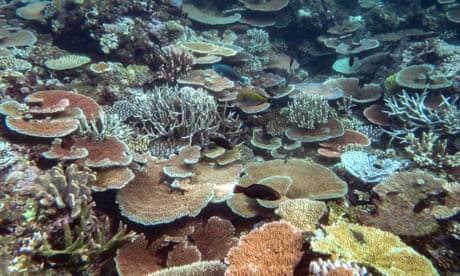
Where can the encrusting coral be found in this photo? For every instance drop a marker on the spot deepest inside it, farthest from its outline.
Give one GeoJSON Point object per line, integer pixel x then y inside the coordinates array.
{"type": "Point", "coordinates": [406, 200]}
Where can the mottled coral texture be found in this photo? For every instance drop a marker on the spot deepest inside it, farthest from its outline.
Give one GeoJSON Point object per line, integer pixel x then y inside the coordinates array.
{"type": "Point", "coordinates": [273, 249]}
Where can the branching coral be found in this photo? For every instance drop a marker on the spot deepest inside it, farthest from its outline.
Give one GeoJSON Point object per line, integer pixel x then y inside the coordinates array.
{"type": "Point", "coordinates": [308, 111]}
{"type": "Point", "coordinates": [7, 156]}
{"type": "Point", "coordinates": [184, 114]}
{"type": "Point", "coordinates": [255, 41]}
{"type": "Point", "coordinates": [175, 62]}
{"type": "Point", "coordinates": [429, 151]}
{"type": "Point", "coordinates": [83, 246]}
{"type": "Point", "coordinates": [414, 114]}
{"type": "Point", "coordinates": [65, 188]}
{"type": "Point", "coordinates": [109, 125]}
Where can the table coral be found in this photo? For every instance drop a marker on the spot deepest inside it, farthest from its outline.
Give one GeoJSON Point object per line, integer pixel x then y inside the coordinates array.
{"type": "Point", "coordinates": [309, 180]}
{"type": "Point", "coordinates": [149, 201]}
{"type": "Point", "coordinates": [371, 247]}
{"type": "Point", "coordinates": [302, 212]}
{"type": "Point", "coordinates": [405, 203]}
{"type": "Point", "coordinates": [273, 249]}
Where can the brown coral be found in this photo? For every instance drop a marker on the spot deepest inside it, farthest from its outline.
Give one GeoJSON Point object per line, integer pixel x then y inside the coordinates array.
{"type": "Point", "coordinates": [309, 180]}
{"type": "Point", "coordinates": [148, 200]}
{"type": "Point", "coordinates": [215, 238]}
{"type": "Point", "coordinates": [273, 249]}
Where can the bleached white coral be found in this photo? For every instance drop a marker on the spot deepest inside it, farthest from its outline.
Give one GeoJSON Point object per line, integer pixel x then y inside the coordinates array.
{"type": "Point", "coordinates": [108, 42]}
{"type": "Point", "coordinates": [7, 156]}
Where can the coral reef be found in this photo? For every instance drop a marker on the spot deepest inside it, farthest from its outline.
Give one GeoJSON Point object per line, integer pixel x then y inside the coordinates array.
{"type": "Point", "coordinates": [201, 123]}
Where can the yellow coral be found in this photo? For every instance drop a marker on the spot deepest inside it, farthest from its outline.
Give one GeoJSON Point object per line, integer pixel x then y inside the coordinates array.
{"type": "Point", "coordinates": [303, 213]}
{"type": "Point", "coordinates": [373, 247]}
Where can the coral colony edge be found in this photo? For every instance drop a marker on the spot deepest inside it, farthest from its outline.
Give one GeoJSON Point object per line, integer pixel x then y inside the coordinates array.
{"type": "Point", "coordinates": [237, 137]}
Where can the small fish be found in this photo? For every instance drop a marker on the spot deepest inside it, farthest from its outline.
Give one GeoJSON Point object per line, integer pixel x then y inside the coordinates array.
{"type": "Point", "coordinates": [351, 61]}
{"type": "Point", "coordinates": [252, 96]}
{"type": "Point", "coordinates": [222, 142]}
{"type": "Point", "coordinates": [228, 71]}
{"type": "Point", "coordinates": [258, 191]}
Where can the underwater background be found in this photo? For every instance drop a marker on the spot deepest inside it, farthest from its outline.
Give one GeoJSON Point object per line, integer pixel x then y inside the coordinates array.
{"type": "Point", "coordinates": [237, 137]}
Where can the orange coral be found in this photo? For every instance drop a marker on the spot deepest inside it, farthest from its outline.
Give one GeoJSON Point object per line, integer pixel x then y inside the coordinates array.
{"type": "Point", "coordinates": [48, 98]}
{"type": "Point", "coordinates": [273, 249]}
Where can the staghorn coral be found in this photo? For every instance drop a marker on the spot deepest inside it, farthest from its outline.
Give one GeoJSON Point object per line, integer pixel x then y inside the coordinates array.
{"type": "Point", "coordinates": [307, 111]}
{"type": "Point", "coordinates": [273, 249]}
{"type": "Point", "coordinates": [371, 247]}
{"type": "Point", "coordinates": [175, 62]}
{"type": "Point", "coordinates": [415, 114]}
{"type": "Point", "coordinates": [170, 112]}
{"type": "Point", "coordinates": [83, 245]}
{"type": "Point", "coordinates": [109, 125]}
